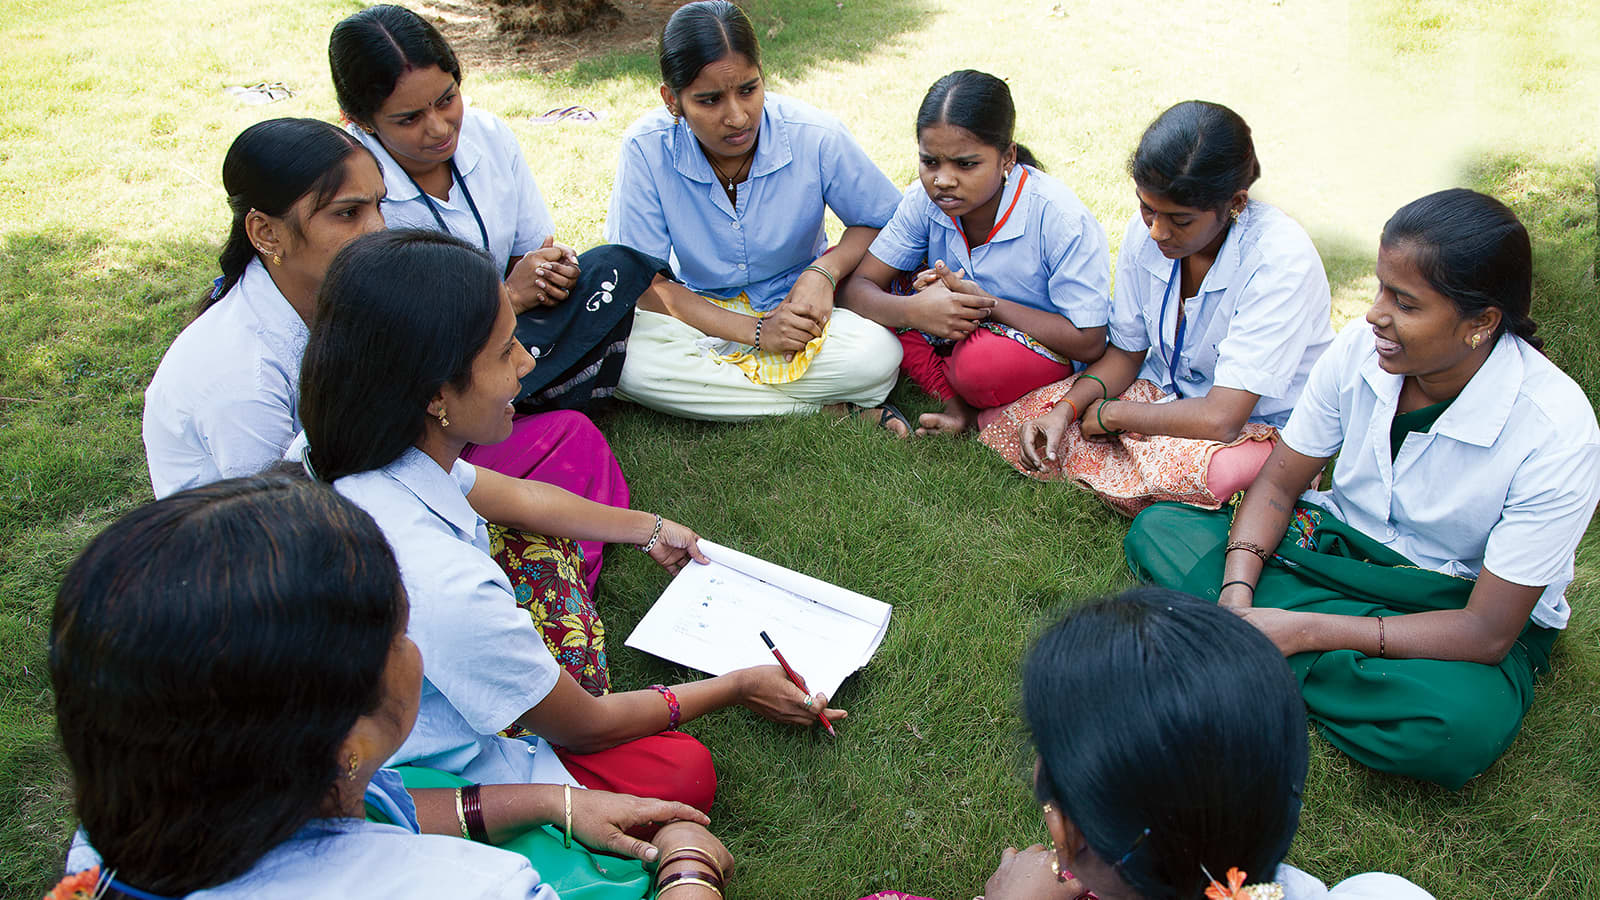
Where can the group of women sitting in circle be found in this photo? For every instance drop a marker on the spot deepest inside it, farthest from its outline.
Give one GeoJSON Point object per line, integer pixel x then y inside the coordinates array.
{"type": "Point", "coordinates": [417, 648]}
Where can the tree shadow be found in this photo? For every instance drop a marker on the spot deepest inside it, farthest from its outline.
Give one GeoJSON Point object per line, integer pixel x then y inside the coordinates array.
{"type": "Point", "coordinates": [796, 36]}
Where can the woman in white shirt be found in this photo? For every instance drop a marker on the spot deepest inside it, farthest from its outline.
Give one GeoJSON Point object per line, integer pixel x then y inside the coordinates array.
{"type": "Point", "coordinates": [391, 440]}
{"type": "Point", "coordinates": [231, 669]}
{"type": "Point", "coordinates": [1221, 308]}
{"type": "Point", "coordinates": [225, 400]}
{"type": "Point", "coordinates": [1010, 275]}
{"type": "Point", "coordinates": [732, 183]}
{"type": "Point", "coordinates": [1418, 598]}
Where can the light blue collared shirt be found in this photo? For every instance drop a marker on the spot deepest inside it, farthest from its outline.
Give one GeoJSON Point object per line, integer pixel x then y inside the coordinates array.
{"type": "Point", "coordinates": [225, 401]}
{"type": "Point", "coordinates": [1258, 323]}
{"type": "Point", "coordinates": [668, 203]}
{"type": "Point", "coordinates": [334, 859]}
{"type": "Point", "coordinates": [483, 661]}
{"type": "Point", "coordinates": [1049, 254]}
{"type": "Point", "coordinates": [490, 162]}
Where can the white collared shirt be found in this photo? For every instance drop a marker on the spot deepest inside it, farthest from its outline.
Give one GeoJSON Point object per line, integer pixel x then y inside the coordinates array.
{"type": "Point", "coordinates": [490, 162]}
{"type": "Point", "coordinates": [1507, 479]}
{"type": "Point", "coordinates": [225, 400]}
{"type": "Point", "coordinates": [336, 859]}
{"type": "Point", "coordinates": [1049, 253]}
{"type": "Point", "coordinates": [483, 662]}
{"type": "Point", "coordinates": [668, 203]}
{"type": "Point", "coordinates": [1258, 323]}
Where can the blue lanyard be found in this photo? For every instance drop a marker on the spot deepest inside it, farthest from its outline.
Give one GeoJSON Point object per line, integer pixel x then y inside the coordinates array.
{"type": "Point", "coordinates": [455, 174]}
{"type": "Point", "coordinates": [1177, 336]}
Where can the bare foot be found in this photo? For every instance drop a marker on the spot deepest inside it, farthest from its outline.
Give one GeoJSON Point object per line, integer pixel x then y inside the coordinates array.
{"type": "Point", "coordinates": [957, 418]}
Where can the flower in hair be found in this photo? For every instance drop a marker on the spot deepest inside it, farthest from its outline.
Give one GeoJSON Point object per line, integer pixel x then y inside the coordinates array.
{"type": "Point", "coordinates": [1236, 889]}
{"type": "Point", "coordinates": [77, 886]}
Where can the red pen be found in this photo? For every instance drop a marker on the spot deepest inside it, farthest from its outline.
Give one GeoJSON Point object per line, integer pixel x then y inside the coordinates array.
{"type": "Point", "coordinates": [798, 681]}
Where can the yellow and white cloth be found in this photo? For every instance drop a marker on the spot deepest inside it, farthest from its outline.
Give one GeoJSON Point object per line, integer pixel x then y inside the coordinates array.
{"type": "Point", "coordinates": [675, 368]}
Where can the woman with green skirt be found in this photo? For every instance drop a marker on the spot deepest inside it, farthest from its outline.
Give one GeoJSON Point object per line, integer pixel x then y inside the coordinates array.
{"type": "Point", "coordinates": [1418, 598]}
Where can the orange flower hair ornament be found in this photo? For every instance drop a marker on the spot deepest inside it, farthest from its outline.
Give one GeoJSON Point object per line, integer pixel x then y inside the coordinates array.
{"type": "Point", "coordinates": [1236, 889]}
{"type": "Point", "coordinates": [83, 885]}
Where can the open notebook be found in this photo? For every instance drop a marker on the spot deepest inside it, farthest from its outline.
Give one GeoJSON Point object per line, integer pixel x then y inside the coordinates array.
{"type": "Point", "coordinates": [711, 617]}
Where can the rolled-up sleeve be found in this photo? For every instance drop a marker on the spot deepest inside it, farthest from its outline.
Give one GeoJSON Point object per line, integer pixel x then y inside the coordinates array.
{"type": "Point", "coordinates": [903, 243]}
{"type": "Point", "coordinates": [1280, 311]}
{"type": "Point", "coordinates": [1548, 507]}
{"type": "Point", "coordinates": [1079, 262]}
{"type": "Point", "coordinates": [1127, 326]}
{"type": "Point", "coordinates": [1316, 427]}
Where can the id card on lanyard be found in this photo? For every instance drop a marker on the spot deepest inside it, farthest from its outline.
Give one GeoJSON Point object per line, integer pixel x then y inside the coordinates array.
{"type": "Point", "coordinates": [1177, 333]}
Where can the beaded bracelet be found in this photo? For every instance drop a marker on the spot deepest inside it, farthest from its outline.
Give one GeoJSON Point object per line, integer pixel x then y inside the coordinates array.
{"type": "Point", "coordinates": [674, 715]}
{"type": "Point", "coordinates": [655, 534]}
{"type": "Point", "coordinates": [824, 273]}
{"type": "Point", "coordinates": [759, 320]}
{"type": "Point", "coordinates": [1263, 553]}
{"type": "Point", "coordinates": [1381, 646]}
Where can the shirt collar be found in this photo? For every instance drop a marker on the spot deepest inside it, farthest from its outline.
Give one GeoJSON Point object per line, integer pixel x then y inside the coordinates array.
{"type": "Point", "coordinates": [436, 488]}
{"type": "Point", "coordinates": [257, 291]}
{"type": "Point", "coordinates": [1480, 412]}
{"type": "Point", "coordinates": [772, 149]}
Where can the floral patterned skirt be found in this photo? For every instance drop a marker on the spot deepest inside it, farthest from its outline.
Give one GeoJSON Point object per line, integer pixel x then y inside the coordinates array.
{"type": "Point", "coordinates": [1128, 471]}
{"type": "Point", "coordinates": [545, 574]}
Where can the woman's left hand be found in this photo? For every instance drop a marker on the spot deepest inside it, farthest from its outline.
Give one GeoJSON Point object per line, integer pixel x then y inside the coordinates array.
{"type": "Point", "coordinates": [675, 546]}
{"type": "Point", "coordinates": [1286, 627]}
{"type": "Point", "coordinates": [601, 820]}
{"type": "Point", "coordinates": [1026, 875]}
{"type": "Point", "coordinates": [810, 298]}
{"type": "Point", "coordinates": [1090, 423]}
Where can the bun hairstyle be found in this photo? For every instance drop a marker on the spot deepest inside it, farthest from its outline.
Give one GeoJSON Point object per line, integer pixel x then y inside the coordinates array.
{"type": "Point", "coordinates": [979, 103]}
{"type": "Point", "coordinates": [210, 653]}
{"type": "Point", "coordinates": [370, 50]}
{"type": "Point", "coordinates": [1132, 700]}
{"type": "Point", "coordinates": [1473, 249]}
{"type": "Point", "coordinates": [401, 314]}
{"type": "Point", "coordinates": [699, 34]}
{"type": "Point", "coordinates": [269, 167]}
{"type": "Point", "coordinates": [1196, 154]}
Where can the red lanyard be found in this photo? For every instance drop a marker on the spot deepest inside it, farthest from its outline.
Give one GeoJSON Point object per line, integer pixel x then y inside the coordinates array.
{"type": "Point", "coordinates": [1000, 223]}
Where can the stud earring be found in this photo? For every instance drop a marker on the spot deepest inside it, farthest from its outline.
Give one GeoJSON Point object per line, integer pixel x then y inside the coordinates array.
{"type": "Point", "coordinates": [1233, 214]}
{"type": "Point", "coordinates": [443, 422]}
{"type": "Point", "coordinates": [353, 767]}
{"type": "Point", "coordinates": [277, 260]}
{"type": "Point", "coordinates": [1475, 341]}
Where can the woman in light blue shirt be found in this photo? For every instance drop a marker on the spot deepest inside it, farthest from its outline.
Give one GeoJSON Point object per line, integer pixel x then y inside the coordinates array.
{"type": "Point", "coordinates": [731, 184]}
{"type": "Point", "coordinates": [1013, 277]}
{"type": "Point", "coordinates": [231, 669]}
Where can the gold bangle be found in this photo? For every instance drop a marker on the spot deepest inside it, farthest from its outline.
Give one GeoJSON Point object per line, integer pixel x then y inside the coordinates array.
{"type": "Point", "coordinates": [566, 840]}
{"type": "Point", "coordinates": [691, 852]}
{"type": "Point", "coordinates": [688, 879]}
{"type": "Point", "coordinates": [1261, 552]}
{"type": "Point", "coordinates": [461, 816]}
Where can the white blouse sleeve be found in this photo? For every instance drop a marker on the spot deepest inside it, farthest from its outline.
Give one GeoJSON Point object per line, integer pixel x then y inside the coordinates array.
{"type": "Point", "coordinates": [1316, 428]}
{"type": "Point", "coordinates": [1548, 506]}
{"type": "Point", "coordinates": [1127, 326]}
{"type": "Point", "coordinates": [534, 223]}
{"type": "Point", "coordinates": [1282, 309]}
{"type": "Point", "coordinates": [1079, 264]}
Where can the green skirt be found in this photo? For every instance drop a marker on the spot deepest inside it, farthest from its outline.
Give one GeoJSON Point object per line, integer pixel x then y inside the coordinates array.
{"type": "Point", "coordinates": [574, 874]}
{"type": "Point", "coordinates": [1437, 720]}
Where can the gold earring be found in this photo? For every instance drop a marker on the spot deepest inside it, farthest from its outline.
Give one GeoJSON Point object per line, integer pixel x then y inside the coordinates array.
{"type": "Point", "coordinates": [1048, 809]}
{"type": "Point", "coordinates": [277, 259]}
{"type": "Point", "coordinates": [350, 770]}
{"type": "Point", "coordinates": [1233, 214]}
{"type": "Point", "coordinates": [443, 422]}
{"type": "Point", "coordinates": [1475, 341]}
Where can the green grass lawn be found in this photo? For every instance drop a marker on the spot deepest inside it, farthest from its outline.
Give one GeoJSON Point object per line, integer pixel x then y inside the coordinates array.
{"type": "Point", "coordinates": [112, 131]}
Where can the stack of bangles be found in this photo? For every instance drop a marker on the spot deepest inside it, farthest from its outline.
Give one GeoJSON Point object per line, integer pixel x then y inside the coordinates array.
{"type": "Point", "coordinates": [710, 877]}
{"type": "Point", "coordinates": [469, 814]}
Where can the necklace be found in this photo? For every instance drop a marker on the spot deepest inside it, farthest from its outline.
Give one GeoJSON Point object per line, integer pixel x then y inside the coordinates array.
{"type": "Point", "coordinates": [732, 186]}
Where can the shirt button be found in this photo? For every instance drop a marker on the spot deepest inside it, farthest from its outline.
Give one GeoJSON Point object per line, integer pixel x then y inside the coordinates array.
{"type": "Point", "coordinates": [736, 226]}
{"type": "Point", "coordinates": [1390, 532]}
{"type": "Point", "coordinates": [741, 266]}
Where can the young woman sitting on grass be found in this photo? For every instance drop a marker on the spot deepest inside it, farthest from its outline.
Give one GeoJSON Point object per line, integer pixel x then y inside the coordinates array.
{"type": "Point", "coordinates": [1019, 285]}
{"type": "Point", "coordinates": [460, 170]}
{"type": "Point", "coordinates": [1221, 308]}
{"type": "Point", "coordinates": [732, 183]}
{"type": "Point", "coordinates": [224, 401]}
{"type": "Point", "coordinates": [1172, 754]}
{"type": "Point", "coordinates": [1417, 599]}
{"type": "Point", "coordinates": [231, 669]}
{"type": "Point", "coordinates": [390, 438]}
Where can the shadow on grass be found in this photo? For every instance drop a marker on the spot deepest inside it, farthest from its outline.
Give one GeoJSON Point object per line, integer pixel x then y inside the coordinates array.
{"type": "Point", "coordinates": [84, 319]}
{"type": "Point", "coordinates": [795, 35]}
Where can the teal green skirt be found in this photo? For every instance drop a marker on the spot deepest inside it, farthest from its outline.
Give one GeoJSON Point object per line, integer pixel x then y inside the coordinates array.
{"type": "Point", "coordinates": [1437, 720]}
{"type": "Point", "coordinates": [574, 873]}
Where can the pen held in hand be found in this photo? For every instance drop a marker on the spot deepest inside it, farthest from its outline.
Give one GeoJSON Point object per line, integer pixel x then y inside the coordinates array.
{"type": "Point", "coordinates": [798, 681]}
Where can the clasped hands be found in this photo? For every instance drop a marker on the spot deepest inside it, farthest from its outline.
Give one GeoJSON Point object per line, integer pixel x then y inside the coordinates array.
{"type": "Point", "coordinates": [946, 304]}
{"type": "Point", "coordinates": [800, 318]}
{"type": "Point", "coordinates": [542, 277]}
